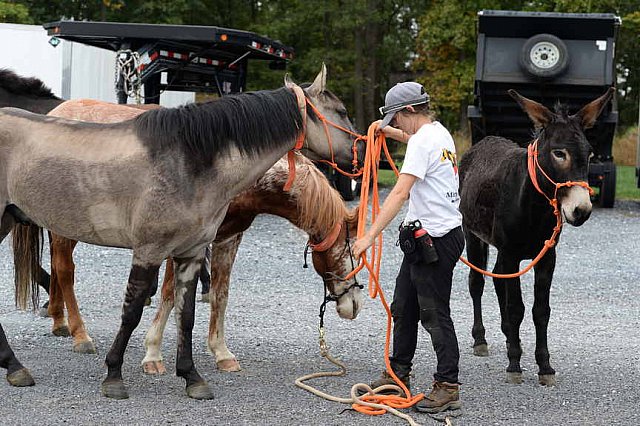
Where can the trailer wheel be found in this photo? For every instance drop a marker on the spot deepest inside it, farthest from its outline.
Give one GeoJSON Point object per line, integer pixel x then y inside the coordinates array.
{"type": "Point", "coordinates": [544, 56]}
{"type": "Point", "coordinates": [345, 186]}
{"type": "Point", "coordinates": [607, 195]}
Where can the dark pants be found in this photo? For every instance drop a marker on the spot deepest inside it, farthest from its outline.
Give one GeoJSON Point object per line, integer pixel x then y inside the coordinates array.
{"type": "Point", "coordinates": [422, 294]}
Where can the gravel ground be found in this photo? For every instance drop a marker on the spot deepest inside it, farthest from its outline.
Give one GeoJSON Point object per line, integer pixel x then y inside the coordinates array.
{"type": "Point", "coordinates": [594, 337]}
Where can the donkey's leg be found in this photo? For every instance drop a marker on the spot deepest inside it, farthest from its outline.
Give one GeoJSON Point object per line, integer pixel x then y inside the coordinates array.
{"type": "Point", "coordinates": [140, 279]}
{"type": "Point", "coordinates": [152, 362]}
{"type": "Point", "coordinates": [222, 258]}
{"type": "Point", "coordinates": [511, 312]}
{"type": "Point", "coordinates": [62, 260]}
{"type": "Point", "coordinates": [17, 375]}
{"type": "Point", "coordinates": [477, 251]}
{"type": "Point", "coordinates": [541, 312]}
{"type": "Point", "coordinates": [205, 277]}
{"type": "Point", "coordinates": [186, 270]}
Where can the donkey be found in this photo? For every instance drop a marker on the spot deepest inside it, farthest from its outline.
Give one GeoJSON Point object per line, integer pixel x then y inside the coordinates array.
{"type": "Point", "coordinates": [500, 206]}
{"type": "Point", "coordinates": [159, 184]}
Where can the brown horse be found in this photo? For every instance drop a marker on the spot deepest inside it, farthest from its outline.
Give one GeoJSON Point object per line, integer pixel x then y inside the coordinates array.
{"type": "Point", "coordinates": [159, 184]}
{"type": "Point", "coordinates": [313, 206]}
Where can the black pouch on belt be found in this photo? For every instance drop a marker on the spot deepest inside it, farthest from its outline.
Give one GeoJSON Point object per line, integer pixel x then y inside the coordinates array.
{"type": "Point", "coordinates": [406, 241]}
{"type": "Point", "coordinates": [416, 243]}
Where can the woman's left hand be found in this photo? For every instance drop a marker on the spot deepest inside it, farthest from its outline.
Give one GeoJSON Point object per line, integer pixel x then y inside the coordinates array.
{"type": "Point", "coordinates": [361, 245]}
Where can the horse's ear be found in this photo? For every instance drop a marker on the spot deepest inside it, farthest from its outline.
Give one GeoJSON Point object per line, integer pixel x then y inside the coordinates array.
{"type": "Point", "coordinates": [538, 113]}
{"type": "Point", "coordinates": [590, 112]}
{"type": "Point", "coordinates": [288, 83]}
{"type": "Point", "coordinates": [320, 83]}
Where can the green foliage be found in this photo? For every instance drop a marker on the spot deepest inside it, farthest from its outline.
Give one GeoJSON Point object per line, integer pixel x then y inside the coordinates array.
{"type": "Point", "coordinates": [368, 45]}
{"type": "Point", "coordinates": [14, 13]}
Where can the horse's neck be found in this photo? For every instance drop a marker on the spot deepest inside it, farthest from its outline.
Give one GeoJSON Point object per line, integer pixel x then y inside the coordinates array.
{"type": "Point", "coordinates": [263, 200]}
{"type": "Point", "coordinates": [38, 105]}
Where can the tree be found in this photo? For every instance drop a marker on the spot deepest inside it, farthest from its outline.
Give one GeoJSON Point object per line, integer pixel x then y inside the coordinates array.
{"type": "Point", "coordinates": [14, 13]}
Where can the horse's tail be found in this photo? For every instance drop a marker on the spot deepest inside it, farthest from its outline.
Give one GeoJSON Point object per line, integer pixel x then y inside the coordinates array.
{"type": "Point", "coordinates": [27, 253]}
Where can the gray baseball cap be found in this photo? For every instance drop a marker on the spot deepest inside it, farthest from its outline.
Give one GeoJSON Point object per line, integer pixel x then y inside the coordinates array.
{"type": "Point", "coordinates": [400, 96]}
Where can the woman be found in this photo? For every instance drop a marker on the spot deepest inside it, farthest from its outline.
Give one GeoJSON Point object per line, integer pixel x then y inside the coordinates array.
{"type": "Point", "coordinates": [429, 179]}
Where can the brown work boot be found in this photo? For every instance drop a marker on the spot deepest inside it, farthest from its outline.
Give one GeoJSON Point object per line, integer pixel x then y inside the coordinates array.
{"type": "Point", "coordinates": [386, 379]}
{"type": "Point", "coordinates": [443, 396]}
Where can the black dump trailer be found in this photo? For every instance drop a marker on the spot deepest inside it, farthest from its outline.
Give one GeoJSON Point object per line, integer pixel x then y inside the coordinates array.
{"type": "Point", "coordinates": [547, 57]}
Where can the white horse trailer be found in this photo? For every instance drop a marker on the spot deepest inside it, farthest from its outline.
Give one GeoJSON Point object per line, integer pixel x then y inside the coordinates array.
{"type": "Point", "coordinates": [72, 70]}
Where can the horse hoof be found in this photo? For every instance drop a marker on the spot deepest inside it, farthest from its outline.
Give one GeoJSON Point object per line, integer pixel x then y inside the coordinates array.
{"type": "Point", "coordinates": [199, 390]}
{"type": "Point", "coordinates": [154, 368]}
{"type": "Point", "coordinates": [514, 378]}
{"type": "Point", "coordinates": [205, 298]}
{"type": "Point", "coordinates": [86, 347]}
{"type": "Point", "coordinates": [147, 301]}
{"type": "Point", "coordinates": [20, 378]}
{"type": "Point", "coordinates": [114, 389]}
{"type": "Point", "coordinates": [229, 365]}
{"type": "Point", "coordinates": [62, 331]}
{"type": "Point", "coordinates": [547, 379]}
{"type": "Point", "coordinates": [481, 350]}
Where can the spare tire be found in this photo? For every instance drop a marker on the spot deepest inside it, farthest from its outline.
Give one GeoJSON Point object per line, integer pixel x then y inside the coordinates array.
{"type": "Point", "coordinates": [544, 56]}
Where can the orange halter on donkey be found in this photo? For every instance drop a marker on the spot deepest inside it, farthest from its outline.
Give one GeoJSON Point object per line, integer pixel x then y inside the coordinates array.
{"type": "Point", "coordinates": [532, 165]}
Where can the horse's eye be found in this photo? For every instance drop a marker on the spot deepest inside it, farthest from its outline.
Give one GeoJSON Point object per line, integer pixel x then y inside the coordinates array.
{"type": "Point", "coordinates": [559, 154]}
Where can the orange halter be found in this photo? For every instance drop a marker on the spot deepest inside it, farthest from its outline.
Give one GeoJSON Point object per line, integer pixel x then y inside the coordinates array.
{"type": "Point", "coordinates": [532, 166]}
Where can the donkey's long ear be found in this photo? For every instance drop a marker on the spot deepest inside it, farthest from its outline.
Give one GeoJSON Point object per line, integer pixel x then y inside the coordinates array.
{"type": "Point", "coordinates": [320, 83]}
{"type": "Point", "coordinates": [538, 113]}
{"type": "Point", "coordinates": [590, 112]}
{"type": "Point", "coordinates": [288, 83]}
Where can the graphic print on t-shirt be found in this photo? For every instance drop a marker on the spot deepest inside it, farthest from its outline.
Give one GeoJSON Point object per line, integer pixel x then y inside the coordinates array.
{"type": "Point", "coordinates": [451, 156]}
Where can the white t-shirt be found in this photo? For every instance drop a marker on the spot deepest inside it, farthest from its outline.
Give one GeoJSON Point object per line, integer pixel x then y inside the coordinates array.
{"type": "Point", "coordinates": [434, 198]}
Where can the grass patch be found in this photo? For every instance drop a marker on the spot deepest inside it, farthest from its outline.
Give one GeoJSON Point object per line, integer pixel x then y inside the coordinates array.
{"type": "Point", "coordinates": [626, 183]}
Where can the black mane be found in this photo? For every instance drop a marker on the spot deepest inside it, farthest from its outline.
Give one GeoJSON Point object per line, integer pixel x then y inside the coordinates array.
{"type": "Point", "coordinates": [12, 82]}
{"type": "Point", "coordinates": [252, 122]}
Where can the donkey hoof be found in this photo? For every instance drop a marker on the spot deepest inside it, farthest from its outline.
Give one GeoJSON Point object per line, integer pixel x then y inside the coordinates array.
{"type": "Point", "coordinates": [154, 368]}
{"type": "Point", "coordinates": [481, 350]}
{"type": "Point", "coordinates": [86, 347]}
{"type": "Point", "coordinates": [547, 379]}
{"type": "Point", "coordinates": [20, 378]}
{"type": "Point", "coordinates": [199, 390]}
{"type": "Point", "coordinates": [114, 389]}
{"type": "Point", "coordinates": [62, 331]}
{"type": "Point", "coordinates": [205, 298]}
{"type": "Point", "coordinates": [229, 365]}
{"type": "Point", "coordinates": [515, 378]}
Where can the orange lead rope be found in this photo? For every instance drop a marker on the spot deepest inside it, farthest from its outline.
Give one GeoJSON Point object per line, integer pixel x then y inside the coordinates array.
{"type": "Point", "coordinates": [532, 165]}
{"type": "Point", "coordinates": [375, 145]}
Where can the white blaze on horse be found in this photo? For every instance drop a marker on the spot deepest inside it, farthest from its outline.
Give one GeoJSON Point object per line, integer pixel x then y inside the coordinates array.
{"type": "Point", "coordinates": [501, 206]}
{"type": "Point", "coordinates": [159, 184]}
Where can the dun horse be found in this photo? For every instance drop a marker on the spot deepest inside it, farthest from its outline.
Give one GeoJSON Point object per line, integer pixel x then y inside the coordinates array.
{"type": "Point", "coordinates": [501, 207]}
{"type": "Point", "coordinates": [159, 184]}
{"type": "Point", "coordinates": [313, 206]}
